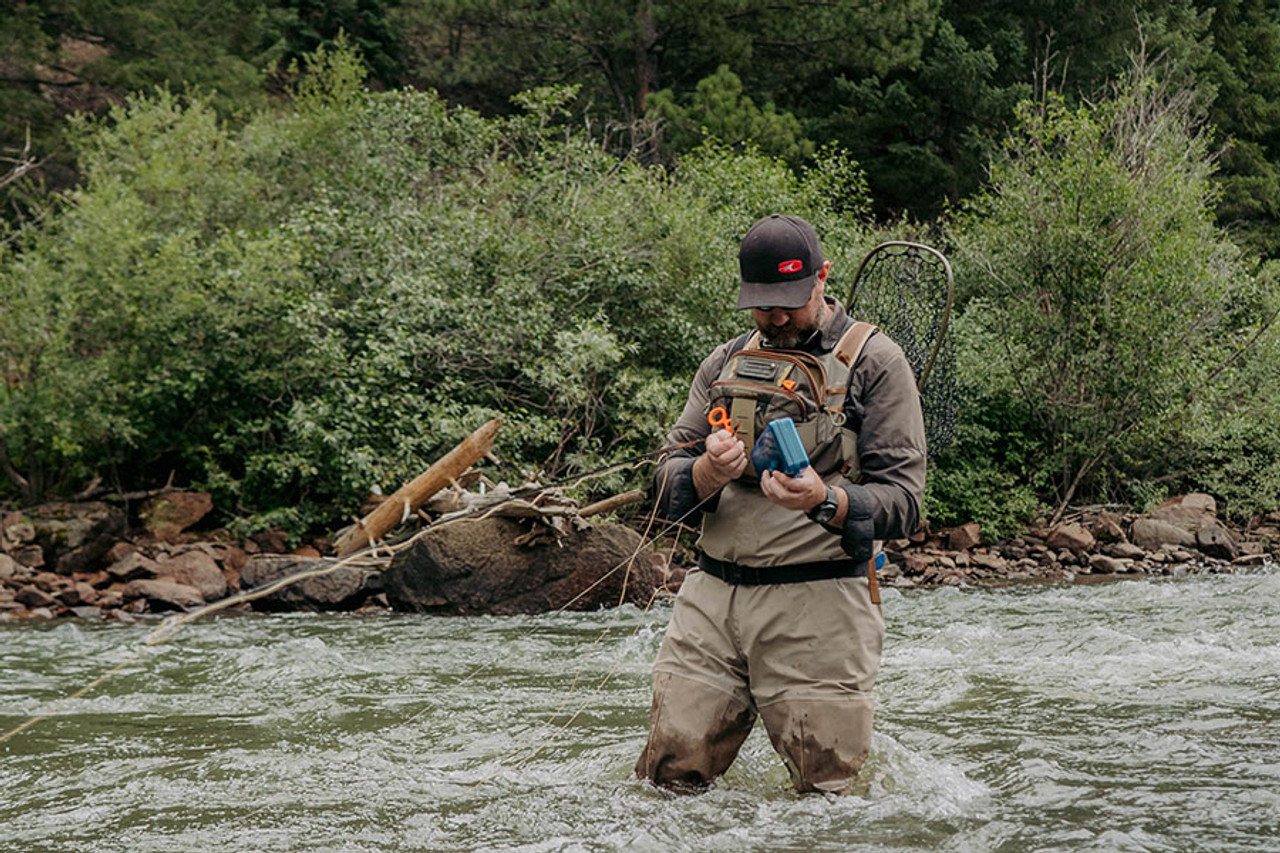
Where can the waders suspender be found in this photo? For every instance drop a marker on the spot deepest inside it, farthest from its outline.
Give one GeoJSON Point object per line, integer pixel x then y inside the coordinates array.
{"type": "Point", "coordinates": [847, 351]}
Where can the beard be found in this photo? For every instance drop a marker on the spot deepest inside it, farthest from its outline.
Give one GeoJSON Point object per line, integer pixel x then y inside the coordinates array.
{"type": "Point", "coordinates": [785, 337]}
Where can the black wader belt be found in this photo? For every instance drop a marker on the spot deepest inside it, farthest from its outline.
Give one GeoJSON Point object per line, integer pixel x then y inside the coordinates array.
{"type": "Point", "coordinates": [795, 573]}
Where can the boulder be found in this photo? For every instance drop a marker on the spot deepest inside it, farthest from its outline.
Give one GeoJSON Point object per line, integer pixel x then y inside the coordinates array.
{"type": "Point", "coordinates": [1190, 512]}
{"type": "Point", "coordinates": [164, 594]}
{"type": "Point", "coordinates": [15, 531]}
{"type": "Point", "coordinates": [73, 536]}
{"type": "Point", "coordinates": [33, 596]}
{"type": "Point", "coordinates": [195, 568]}
{"type": "Point", "coordinates": [166, 516]}
{"type": "Point", "coordinates": [78, 595]}
{"type": "Point", "coordinates": [344, 588]}
{"type": "Point", "coordinates": [1217, 542]}
{"type": "Point", "coordinates": [133, 566]}
{"type": "Point", "coordinates": [1150, 534]}
{"type": "Point", "coordinates": [1104, 565]}
{"type": "Point", "coordinates": [9, 567]}
{"type": "Point", "coordinates": [990, 562]}
{"type": "Point", "coordinates": [29, 556]}
{"type": "Point", "coordinates": [1107, 528]}
{"type": "Point", "coordinates": [476, 566]}
{"type": "Point", "coordinates": [273, 540]}
{"type": "Point", "coordinates": [964, 537]}
{"type": "Point", "coordinates": [1073, 537]}
{"type": "Point", "coordinates": [1126, 550]}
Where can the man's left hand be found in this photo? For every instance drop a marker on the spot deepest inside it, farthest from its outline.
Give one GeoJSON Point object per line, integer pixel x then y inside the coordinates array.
{"type": "Point", "coordinates": [803, 491]}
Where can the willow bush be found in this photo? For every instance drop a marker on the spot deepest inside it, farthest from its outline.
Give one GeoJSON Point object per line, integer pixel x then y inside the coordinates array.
{"type": "Point", "coordinates": [1119, 323]}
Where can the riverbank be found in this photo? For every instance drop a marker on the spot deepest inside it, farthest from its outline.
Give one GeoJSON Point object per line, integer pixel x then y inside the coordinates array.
{"type": "Point", "coordinates": [94, 560]}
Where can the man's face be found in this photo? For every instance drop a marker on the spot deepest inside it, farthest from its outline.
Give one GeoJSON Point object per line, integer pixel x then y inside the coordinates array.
{"type": "Point", "coordinates": [786, 328]}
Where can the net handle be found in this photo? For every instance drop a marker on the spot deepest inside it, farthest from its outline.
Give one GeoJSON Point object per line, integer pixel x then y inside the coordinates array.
{"type": "Point", "coordinates": [913, 248]}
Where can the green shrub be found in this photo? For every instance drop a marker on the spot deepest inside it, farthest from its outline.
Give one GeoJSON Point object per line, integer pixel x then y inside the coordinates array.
{"type": "Point", "coordinates": [332, 295]}
{"type": "Point", "coordinates": [1116, 297]}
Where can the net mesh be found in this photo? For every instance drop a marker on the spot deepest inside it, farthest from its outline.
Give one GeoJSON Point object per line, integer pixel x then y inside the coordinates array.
{"type": "Point", "coordinates": [906, 290]}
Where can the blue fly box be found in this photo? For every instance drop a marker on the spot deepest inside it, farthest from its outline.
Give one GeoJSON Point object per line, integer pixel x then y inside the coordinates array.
{"type": "Point", "coordinates": [779, 447]}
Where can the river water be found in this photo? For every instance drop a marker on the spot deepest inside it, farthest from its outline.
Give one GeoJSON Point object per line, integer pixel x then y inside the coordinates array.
{"type": "Point", "coordinates": [1136, 715]}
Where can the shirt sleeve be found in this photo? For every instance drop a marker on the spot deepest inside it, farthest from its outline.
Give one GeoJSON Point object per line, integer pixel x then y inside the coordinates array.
{"type": "Point", "coordinates": [885, 502]}
{"type": "Point", "coordinates": [673, 491]}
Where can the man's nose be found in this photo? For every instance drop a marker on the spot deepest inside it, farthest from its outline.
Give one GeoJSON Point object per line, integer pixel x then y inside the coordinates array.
{"type": "Point", "coordinates": [779, 317]}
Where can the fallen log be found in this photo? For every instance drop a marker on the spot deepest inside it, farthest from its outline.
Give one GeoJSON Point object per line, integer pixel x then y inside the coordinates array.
{"type": "Point", "coordinates": [406, 500]}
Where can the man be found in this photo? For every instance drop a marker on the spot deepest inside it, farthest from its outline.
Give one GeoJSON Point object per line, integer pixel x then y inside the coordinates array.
{"type": "Point", "coordinates": [782, 618]}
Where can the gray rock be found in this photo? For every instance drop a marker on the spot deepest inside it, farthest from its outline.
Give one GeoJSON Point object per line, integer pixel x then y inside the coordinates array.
{"type": "Point", "coordinates": [166, 516]}
{"type": "Point", "coordinates": [1151, 533]}
{"type": "Point", "coordinates": [1190, 512]}
{"type": "Point", "coordinates": [75, 535]}
{"type": "Point", "coordinates": [164, 594]}
{"type": "Point", "coordinates": [195, 568]}
{"type": "Point", "coordinates": [1217, 542]}
{"type": "Point", "coordinates": [8, 567]}
{"type": "Point", "coordinates": [1104, 565]}
{"type": "Point", "coordinates": [1073, 537]}
{"type": "Point", "coordinates": [989, 561]}
{"type": "Point", "coordinates": [478, 567]}
{"type": "Point", "coordinates": [133, 566]}
{"type": "Point", "coordinates": [964, 537]}
{"type": "Point", "coordinates": [1106, 528]}
{"type": "Point", "coordinates": [344, 588]}
{"type": "Point", "coordinates": [31, 556]}
{"type": "Point", "coordinates": [34, 597]}
{"type": "Point", "coordinates": [1126, 550]}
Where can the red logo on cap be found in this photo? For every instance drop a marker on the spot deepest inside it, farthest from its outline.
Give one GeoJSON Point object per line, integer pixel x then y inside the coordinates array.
{"type": "Point", "coordinates": [791, 266]}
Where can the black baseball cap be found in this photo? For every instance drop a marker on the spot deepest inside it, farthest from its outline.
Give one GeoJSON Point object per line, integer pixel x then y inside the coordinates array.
{"type": "Point", "coordinates": [779, 258]}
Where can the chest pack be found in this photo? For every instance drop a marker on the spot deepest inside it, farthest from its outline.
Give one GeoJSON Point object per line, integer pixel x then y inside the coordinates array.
{"type": "Point", "coordinates": [757, 385]}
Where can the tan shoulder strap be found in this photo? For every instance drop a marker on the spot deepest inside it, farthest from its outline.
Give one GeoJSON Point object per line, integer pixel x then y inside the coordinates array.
{"type": "Point", "coordinates": [753, 342]}
{"type": "Point", "coordinates": [847, 351]}
{"type": "Point", "coordinates": [850, 345]}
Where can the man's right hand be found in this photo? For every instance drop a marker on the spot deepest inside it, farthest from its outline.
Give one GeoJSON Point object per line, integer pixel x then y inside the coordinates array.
{"type": "Point", "coordinates": [724, 461]}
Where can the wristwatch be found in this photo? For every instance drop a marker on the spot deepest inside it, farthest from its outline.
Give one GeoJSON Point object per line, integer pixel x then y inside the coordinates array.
{"type": "Point", "coordinates": [825, 511]}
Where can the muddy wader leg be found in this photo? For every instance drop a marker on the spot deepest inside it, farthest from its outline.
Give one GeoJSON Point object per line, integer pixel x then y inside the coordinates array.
{"type": "Point", "coordinates": [823, 742]}
{"type": "Point", "coordinates": [695, 732]}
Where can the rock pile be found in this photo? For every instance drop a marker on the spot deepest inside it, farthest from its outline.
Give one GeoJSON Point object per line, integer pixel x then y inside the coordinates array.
{"type": "Point", "coordinates": [77, 559]}
{"type": "Point", "coordinates": [1181, 536]}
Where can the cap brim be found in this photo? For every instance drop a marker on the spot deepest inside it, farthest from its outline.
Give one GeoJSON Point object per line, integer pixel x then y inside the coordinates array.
{"type": "Point", "coordinates": [788, 295]}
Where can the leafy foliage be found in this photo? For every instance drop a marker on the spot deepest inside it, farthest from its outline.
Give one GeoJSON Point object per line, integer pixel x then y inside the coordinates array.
{"type": "Point", "coordinates": [1118, 300]}
{"type": "Point", "coordinates": [329, 297]}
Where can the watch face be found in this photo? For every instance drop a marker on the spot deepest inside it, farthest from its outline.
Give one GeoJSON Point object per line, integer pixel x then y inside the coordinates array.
{"type": "Point", "coordinates": [825, 511]}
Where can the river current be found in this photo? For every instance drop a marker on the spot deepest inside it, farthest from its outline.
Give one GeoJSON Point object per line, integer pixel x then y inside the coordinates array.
{"type": "Point", "coordinates": [1135, 715]}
